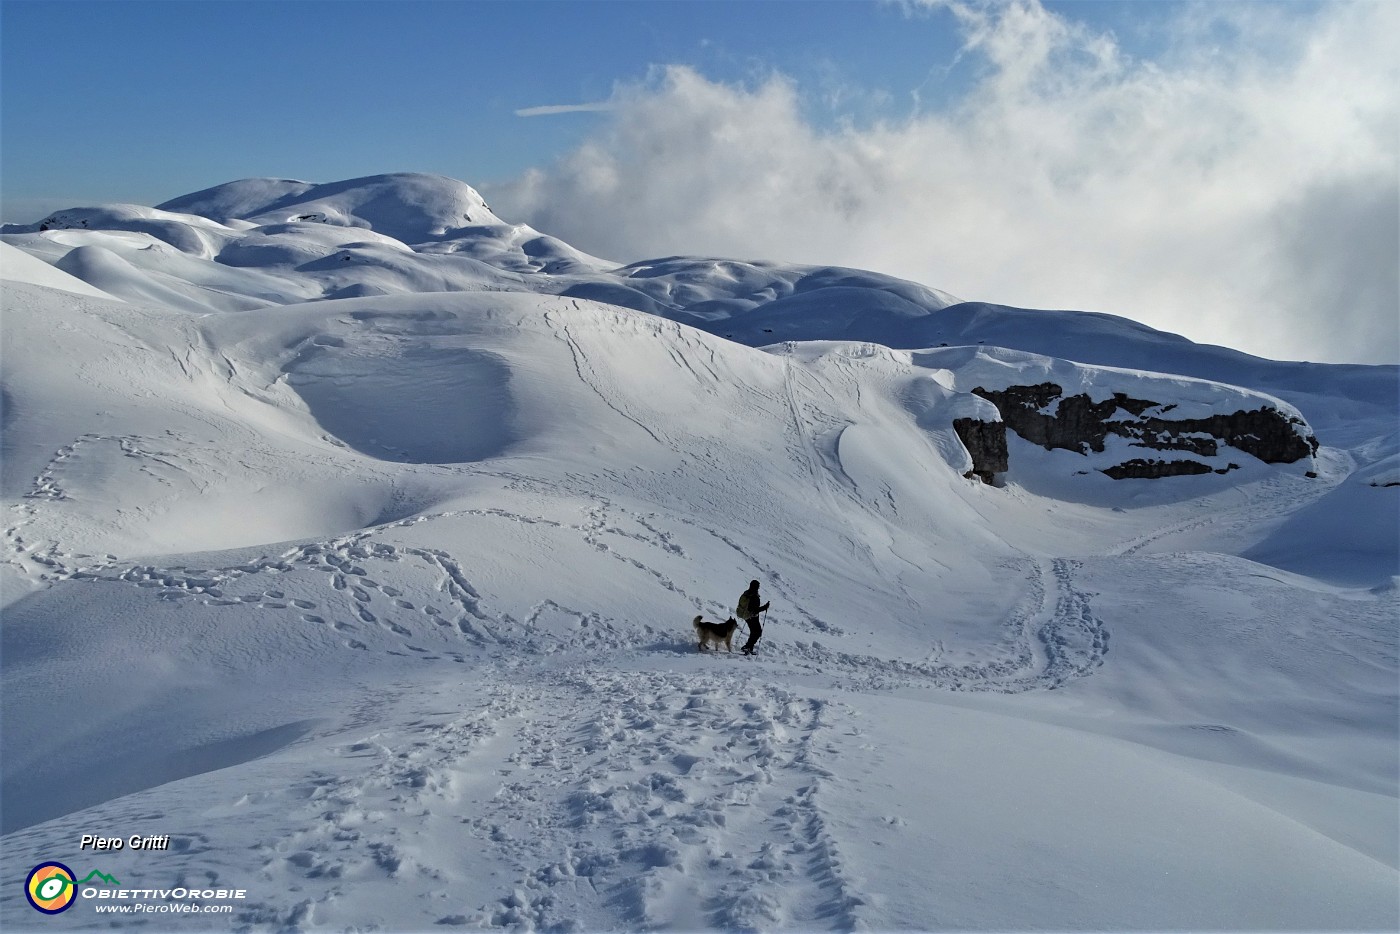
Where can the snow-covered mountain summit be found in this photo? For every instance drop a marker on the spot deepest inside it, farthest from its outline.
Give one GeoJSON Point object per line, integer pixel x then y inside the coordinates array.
{"type": "Point", "coordinates": [248, 243]}
{"type": "Point", "coordinates": [353, 537]}
{"type": "Point", "coordinates": [408, 207]}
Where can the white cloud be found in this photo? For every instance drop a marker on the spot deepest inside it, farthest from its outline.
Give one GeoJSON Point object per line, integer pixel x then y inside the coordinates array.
{"type": "Point", "coordinates": [549, 110]}
{"type": "Point", "coordinates": [1241, 188]}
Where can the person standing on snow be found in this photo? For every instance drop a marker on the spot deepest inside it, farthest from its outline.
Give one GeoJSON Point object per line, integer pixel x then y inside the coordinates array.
{"type": "Point", "coordinates": [748, 610]}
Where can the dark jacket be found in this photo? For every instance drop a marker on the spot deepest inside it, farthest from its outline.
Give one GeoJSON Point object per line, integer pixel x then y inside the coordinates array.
{"type": "Point", "coordinates": [748, 606]}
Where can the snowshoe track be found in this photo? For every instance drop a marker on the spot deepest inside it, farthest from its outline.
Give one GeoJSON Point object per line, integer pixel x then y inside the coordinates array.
{"type": "Point", "coordinates": [1049, 642]}
{"type": "Point", "coordinates": [1051, 638]}
{"type": "Point", "coordinates": [639, 805]}
{"type": "Point", "coordinates": [618, 800]}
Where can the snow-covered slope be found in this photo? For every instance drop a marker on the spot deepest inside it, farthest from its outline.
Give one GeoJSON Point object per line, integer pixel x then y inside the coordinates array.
{"type": "Point", "coordinates": [363, 568]}
{"type": "Point", "coordinates": [19, 266]}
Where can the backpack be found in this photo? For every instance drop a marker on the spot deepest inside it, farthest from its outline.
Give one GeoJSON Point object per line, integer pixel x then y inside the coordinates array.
{"type": "Point", "coordinates": [745, 609]}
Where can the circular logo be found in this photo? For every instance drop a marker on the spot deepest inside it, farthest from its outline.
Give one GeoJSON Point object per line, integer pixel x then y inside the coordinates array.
{"type": "Point", "coordinates": [50, 888]}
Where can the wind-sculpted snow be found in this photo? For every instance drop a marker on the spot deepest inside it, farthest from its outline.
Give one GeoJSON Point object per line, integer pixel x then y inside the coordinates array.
{"type": "Point", "coordinates": [282, 241]}
{"type": "Point", "coordinates": [19, 266]}
{"type": "Point", "coordinates": [406, 403]}
{"type": "Point", "coordinates": [352, 538]}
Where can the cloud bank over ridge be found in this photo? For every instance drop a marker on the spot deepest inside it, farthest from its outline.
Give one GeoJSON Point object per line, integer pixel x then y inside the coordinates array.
{"type": "Point", "coordinates": [1239, 187]}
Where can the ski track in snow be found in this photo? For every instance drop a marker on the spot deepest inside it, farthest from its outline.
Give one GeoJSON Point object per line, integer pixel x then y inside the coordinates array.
{"type": "Point", "coordinates": [589, 378]}
{"type": "Point", "coordinates": [1272, 498]}
{"type": "Point", "coordinates": [1052, 637]}
{"type": "Point", "coordinates": [1049, 641]}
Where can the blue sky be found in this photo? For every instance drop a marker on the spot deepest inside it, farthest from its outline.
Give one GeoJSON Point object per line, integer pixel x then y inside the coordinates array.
{"type": "Point", "coordinates": [144, 101]}
{"type": "Point", "coordinates": [1223, 169]}
{"type": "Point", "coordinates": [141, 101]}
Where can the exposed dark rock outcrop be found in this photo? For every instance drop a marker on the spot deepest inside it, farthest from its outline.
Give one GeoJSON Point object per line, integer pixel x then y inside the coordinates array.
{"type": "Point", "coordinates": [986, 442]}
{"type": "Point", "coordinates": [1266, 433]}
{"type": "Point", "coordinates": [1080, 424]}
{"type": "Point", "coordinates": [1141, 469]}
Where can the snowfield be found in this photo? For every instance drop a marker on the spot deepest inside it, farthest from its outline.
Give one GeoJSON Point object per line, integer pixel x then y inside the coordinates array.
{"type": "Point", "coordinates": [352, 537]}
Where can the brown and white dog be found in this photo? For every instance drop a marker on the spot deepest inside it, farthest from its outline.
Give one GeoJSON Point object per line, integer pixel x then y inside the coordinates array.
{"type": "Point", "coordinates": [715, 633]}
